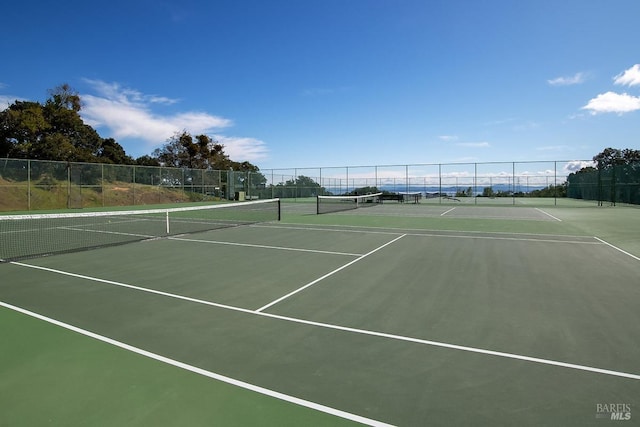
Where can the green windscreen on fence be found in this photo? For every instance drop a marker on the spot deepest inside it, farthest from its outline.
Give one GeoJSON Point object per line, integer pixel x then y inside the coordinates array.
{"type": "Point", "coordinates": [615, 184]}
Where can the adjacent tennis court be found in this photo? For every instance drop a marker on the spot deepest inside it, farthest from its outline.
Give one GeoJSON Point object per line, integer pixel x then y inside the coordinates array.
{"type": "Point", "coordinates": [398, 314]}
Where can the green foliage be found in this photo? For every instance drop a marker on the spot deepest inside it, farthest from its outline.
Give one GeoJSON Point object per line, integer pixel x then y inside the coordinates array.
{"type": "Point", "coordinates": [551, 191]}
{"type": "Point", "coordinates": [488, 192]}
{"type": "Point", "coordinates": [612, 157]}
{"type": "Point", "coordinates": [364, 190]}
{"type": "Point", "coordinates": [112, 152]}
{"type": "Point", "coordinates": [302, 186]}
{"type": "Point", "coordinates": [55, 131]}
{"type": "Point", "coordinates": [464, 193]}
{"type": "Point", "coordinates": [183, 151]}
{"type": "Point", "coordinates": [147, 160]}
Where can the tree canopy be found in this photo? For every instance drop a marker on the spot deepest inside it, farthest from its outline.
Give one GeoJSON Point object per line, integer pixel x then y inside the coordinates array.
{"type": "Point", "coordinates": [55, 131]}
{"type": "Point", "coordinates": [612, 157]}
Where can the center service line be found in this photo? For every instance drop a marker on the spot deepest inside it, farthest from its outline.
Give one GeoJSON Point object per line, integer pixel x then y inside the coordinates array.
{"type": "Point", "coordinates": [327, 275]}
{"type": "Point", "coordinates": [446, 212]}
{"type": "Point", "coordinates": [342, 328]}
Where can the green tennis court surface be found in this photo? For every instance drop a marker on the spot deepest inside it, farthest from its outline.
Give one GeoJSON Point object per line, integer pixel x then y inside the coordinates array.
{"type": "Point", "coordinates": [412, 315]}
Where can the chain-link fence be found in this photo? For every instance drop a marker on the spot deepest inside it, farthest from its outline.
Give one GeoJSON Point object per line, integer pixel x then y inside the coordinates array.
{"type": "Point", "coordinates": [37, 185]}
{"type": "Point", "coordinates": [504, 180]}
{"type": "Point", "coordinates": [615, 184]}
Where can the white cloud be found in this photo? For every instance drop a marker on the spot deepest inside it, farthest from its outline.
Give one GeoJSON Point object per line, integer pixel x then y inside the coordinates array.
{"type": "Point", "coordinates": [630, 77]}
{"type": "Point", "coordinates": [243, 149]}
{"type": "Point", "coordinates": [117, 92]}
{"type": "Point", "coordinates": [127, 113]}
{"type": "Point", "coordinates": [575, 166]}
{"type": "Point", "coordinates": [7, 100]}
{"type": "Point", "coordinates": [568, 80]}
{"type": "Point", "coordinates": [127, 119]}
{"type": "Point", "coordinates": [612, 102]}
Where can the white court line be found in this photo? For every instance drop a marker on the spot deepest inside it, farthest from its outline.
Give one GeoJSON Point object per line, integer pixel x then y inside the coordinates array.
{"type": "Point", "coordinates": [617, 248]}
{"type": "Point", "coordinates": [200, 371]}
{"type": "Point", "coordinates": [347, 329]}
{"type": "Point", "coordinates": [315, 227]}
{"type": "Point", "coordinates": [250, 245]}
{"type": "Point", "coordinates": [548, 214]}
{"type": "Point", "coordinates": [446, 212]}
{"type": "Point", "coordinates": [397, 230]}
{"type": "Point", "coordinates": [515, 239]}
{"type": "Point", "coordinates": [118, 233]}
{"type": "Point", "coordinates": [327, 275]}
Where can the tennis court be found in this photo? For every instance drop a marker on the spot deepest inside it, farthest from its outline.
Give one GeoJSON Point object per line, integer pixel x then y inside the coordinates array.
{"type": "Point", "coordinates": [408, 315]}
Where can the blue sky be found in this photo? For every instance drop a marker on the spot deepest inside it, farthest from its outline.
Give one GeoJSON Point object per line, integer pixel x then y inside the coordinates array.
{"type": "Point", "coordinates": [306, 83]}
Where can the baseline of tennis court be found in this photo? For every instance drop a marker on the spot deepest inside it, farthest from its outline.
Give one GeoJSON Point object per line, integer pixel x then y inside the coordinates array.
{"type": "Point", "coordinates": [373, 325]}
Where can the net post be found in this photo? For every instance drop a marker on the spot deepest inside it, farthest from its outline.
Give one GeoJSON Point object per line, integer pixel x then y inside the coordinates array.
{"type": "Point", "coordinates": [279, 210]}
{"type": "Point", "coordinates": [167, 221]}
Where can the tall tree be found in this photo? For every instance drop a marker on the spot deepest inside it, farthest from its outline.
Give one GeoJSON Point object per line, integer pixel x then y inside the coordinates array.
{"type": "Point", "coordinates": [53, 131]}
{"type": "Point", "coordinates": [112, 152]}
{"type": "Point", "coordinates": [64, 96]}
{"type": "Point", "coordinates": [182, 151]}
{"type": "Point", "coordinates": [173, 153]}
{"type": "Point", "coordinates": [612, 156]}
{"type": "Point", "coordinates": [147, 160]}
{"type": "Point", "coordinates": [22, 126]}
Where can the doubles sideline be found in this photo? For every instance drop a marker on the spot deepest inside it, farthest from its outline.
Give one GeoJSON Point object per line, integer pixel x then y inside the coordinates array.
{"type": "Point", "coordinates": [203, 372]}
{"type": "Point", "coordinates": [347, 329]}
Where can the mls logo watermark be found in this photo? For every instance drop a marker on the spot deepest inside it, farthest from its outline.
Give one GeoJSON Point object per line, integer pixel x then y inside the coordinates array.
{"type": "Point", "coordinates": [613, 411]}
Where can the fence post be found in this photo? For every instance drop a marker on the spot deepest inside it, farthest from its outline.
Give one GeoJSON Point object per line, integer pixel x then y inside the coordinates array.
{"type": "Point", "coordinates": [102, 182]}
{"type": "Point", "coordinates": [555, 183]}
{"type": "Point", "coordinates": [29, 184]}
{"type": "Point", "coordinates": [475, 183]}
{"type": "Point", "coordinates": [513, 192]}
{"type": "Point", "coordinates": [440, 182]}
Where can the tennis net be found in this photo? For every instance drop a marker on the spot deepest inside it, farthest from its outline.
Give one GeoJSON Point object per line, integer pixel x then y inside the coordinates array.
{"type": "Point", "coordinates": [414, 197]}
{"type": "Point", "coordinates": [327, 204]}
{"type": "Point", "coordinates": [28, 236]}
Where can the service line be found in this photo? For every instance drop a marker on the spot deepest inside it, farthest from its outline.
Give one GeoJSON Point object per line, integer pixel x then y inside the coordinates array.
{"type": "Point", "coordinates": [327, 275]}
